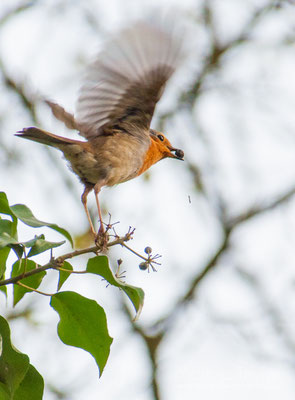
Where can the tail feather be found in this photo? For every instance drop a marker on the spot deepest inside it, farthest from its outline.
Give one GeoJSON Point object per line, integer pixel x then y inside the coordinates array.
{"type": "Point", "coordinates": [40, 136]}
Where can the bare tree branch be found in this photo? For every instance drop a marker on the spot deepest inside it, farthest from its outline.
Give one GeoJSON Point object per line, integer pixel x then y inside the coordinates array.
{"type": "Point", "coordinates": [19, 89]}
{"type": "Point", "coordinates": [258, 210]}
{"type": "Point", "coordinates": [17, 10]}
{"type": "Point", "coordinates": [152, 343]}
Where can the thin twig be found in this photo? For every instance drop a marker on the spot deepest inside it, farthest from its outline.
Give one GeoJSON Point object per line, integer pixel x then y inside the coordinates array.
{"type": "Point", "coordinates": [70, 271]}
{"type": "Point", "coordinates": [134, 252]}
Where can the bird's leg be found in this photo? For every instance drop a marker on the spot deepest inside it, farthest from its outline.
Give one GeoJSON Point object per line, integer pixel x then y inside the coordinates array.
{"type": "Point", "coordinates": [102, 237]}
{"type": "Point", "coordinates": [96, 192]}
{"type": "Point", "coordinates": [87, 189]}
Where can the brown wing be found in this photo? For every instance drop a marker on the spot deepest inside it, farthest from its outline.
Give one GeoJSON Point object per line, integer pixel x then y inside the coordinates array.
{"type": "Point", "coordinates": [62, 115]}
{"type": "Point", "coordinates": [124, 83]}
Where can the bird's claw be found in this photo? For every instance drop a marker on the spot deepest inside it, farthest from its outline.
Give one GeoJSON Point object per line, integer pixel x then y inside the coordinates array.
{"type": "Point", "coordinates": [101, 239]}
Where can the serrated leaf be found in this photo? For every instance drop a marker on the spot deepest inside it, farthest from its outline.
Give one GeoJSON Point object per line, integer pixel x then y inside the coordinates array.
{"type": "Point", "coordinates": [83, 324]}
{"type": "Point", "coordinates": [63, 275]}
{"type": "Point", "coordinates": [100, 266]}
{"type": "Point", "coordinates": [26, 216]}
{"type": "Point", "coordinates": [31, 387]}
{"type": "Point", "coordinates": [19, 380]}
{"type": "Point", "coordinates": [33, 281]}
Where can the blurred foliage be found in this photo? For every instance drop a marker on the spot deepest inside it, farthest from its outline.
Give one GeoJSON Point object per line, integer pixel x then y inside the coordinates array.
{"type": "Point", "coordinates": [82, 323]}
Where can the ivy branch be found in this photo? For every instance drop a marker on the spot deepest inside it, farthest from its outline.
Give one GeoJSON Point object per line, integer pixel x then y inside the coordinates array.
{"type": "Point", "coordinates": [56, 263]}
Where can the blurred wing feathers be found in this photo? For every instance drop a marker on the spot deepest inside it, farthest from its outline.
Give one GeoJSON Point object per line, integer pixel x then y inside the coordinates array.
{"type": "Point", "coordinates": [126, 80]}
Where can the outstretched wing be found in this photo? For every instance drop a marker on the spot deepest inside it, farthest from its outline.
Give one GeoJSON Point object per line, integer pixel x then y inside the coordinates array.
{"type": "Point", "coordinates": [127, 78]}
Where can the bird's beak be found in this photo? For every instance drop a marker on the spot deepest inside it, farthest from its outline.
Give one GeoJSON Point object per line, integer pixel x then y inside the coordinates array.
{"type": "Point", "coordinates": [179, 154]}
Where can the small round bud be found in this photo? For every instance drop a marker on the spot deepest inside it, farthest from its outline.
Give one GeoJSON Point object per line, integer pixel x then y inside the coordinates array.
{"type": "Point", "coordinates": [143, 265]}
{"type": "Point", "coordinates": [148, 250]}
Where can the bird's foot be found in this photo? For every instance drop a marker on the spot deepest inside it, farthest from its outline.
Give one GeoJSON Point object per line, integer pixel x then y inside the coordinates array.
{"type": "Point", "coordinates": [101, 239]}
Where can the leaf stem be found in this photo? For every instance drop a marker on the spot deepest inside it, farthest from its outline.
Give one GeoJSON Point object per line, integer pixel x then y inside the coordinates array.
{"type": "Point", "coordinates": [34, 290]}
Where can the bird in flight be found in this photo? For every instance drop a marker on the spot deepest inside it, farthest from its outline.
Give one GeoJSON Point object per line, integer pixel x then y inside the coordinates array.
{"type": "Point", "coordinates": [115, 107]}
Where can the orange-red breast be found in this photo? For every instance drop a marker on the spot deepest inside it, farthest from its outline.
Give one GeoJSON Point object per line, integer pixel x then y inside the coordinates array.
{"type": "Point", "coordinates": [115, 109]}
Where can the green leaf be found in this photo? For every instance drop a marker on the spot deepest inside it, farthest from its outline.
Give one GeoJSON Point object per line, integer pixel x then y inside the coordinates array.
{"type": "Point", "coordinates": [31, 387]}
{"type": "Point", "coordinates": [6, 226]}
{"type": "Point", "coordinates": [83, 324]}
{"type": "Point", "coordinates": [7, 230]}
{"type": "Point", "coordinates": [33, 281]}
{"type": "Point", "coordinates": [63, 275]}
{"type": "Point", "coordinates": [13, 364]}
{"type": "Point", "coordinates": [7, 233]}
{"type": "Point", "coordinates": [4, 205]}
{"type": "Point", "coordinates": [31, 242]}
{"type": "Point", "coordinates": [38, 244]}
{"type": "Point", "coordinates": [3, 392]}
{"type": "Point", "coordinates": [5, 209]}
{"type": "Point", "coordinates": [4, 253]}
{"type": "Point", "coordinates": [18, 249]}
{"type": "Point", "coordinates": [19, 380]}
{"type": "Point", "coordinates": [100, 266]}
{"type": "Point", "coordinates": [26, 216]}
{"type": "Point", "coordinates": [6, 240]}
{"type": "Point", "coordinates": [42, 245]}
{"type": "Point", "coordinates": [3, 289]}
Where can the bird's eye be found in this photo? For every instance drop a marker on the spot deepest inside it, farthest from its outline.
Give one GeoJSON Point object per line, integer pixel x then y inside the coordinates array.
{"type": "Point", "coordinates": [161, 137]}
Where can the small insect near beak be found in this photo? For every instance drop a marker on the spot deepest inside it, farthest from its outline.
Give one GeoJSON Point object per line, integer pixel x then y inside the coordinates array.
{"type": "Point", "coordinates": [179, 154]}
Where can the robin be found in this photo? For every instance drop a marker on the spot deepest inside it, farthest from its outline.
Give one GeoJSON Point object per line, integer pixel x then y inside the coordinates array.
{"type": "Point", "coordinates": [114, 110]}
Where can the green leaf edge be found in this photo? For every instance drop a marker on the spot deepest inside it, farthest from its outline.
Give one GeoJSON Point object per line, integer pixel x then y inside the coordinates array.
{"type": "Point", "coordinates": [7, 346]}
{"type": "Point", "coordinates": [99, 265]}
{"type": "Point", "coordinates": [55, 298]}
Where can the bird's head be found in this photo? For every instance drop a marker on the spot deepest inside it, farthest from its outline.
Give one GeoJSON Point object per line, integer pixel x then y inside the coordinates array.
{"type": "Point", "coordinates": [160, 148]}
{"type": "Point", "coordinates": [164, 147]}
